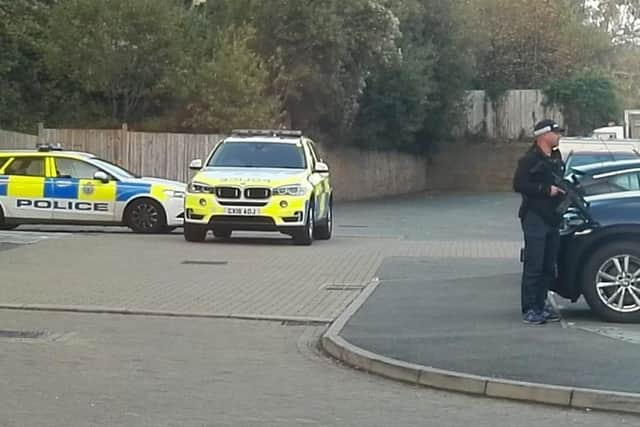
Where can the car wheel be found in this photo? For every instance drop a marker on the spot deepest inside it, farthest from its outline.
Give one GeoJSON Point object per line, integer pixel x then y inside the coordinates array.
{"type": "Point", "coordinates": [222, 233]}
{"type": "Point", "coordinates": [145, 216]}
{"type": "Point", "coordinates": [194, 232]}
{"type": "Point", "coordinates": [325, 230]}
{"type": "Point", "coordinates": [611, 282]}
{"type": "Point", "coordinates": [304, 235]}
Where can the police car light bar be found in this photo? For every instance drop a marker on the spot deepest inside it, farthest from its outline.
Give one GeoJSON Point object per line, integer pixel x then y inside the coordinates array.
{"type": "Point", "coordinates": [49, 147]}
{"type": "Point", "coordinates": [267, 132]}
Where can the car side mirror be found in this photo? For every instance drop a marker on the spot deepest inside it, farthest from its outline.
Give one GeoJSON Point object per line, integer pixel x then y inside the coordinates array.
{"type": "Point", "coordinates": [101, 176]}
{"type": "Point", "coordinates": [195, 165]}
{"type": "Point", "coordinates": [321, 167]}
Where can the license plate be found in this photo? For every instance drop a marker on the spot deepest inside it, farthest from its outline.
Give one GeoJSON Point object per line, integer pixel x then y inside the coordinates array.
{"type": "Point", "coordinates": [242, 211]}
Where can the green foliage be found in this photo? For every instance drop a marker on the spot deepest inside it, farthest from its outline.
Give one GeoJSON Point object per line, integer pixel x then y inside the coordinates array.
{"type": "Point", "coordinates": [395, 103]}
{"type": "Point", "coordinates": [521, 44]}
{"type": "Point", "coordinates": [121, 50]}
{"type": "Point", "coordinates": [587, 99]}
{"type": "Point", "coordinates": [229, 90]}
{"type": "Point", "coordinates": [377, 73]}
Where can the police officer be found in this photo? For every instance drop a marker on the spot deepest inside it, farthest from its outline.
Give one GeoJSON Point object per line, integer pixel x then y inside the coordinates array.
{"type": "Point", "coordinates": [540, 221]}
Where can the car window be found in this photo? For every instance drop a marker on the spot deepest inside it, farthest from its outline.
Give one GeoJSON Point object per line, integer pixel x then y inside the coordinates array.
{"type": "Point", "coordinates": [26, 166]}
{"type": "Point", "coordinates": [314, 153]}
{"type": "Point", "coordinates": [259, 155]}
{"type": "Point", "coordinates": [72, 168]}
{"type": "Point", "coordinates": [626, 182]}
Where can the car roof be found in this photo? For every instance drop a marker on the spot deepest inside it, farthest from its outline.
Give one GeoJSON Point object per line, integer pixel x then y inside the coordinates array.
{"type": "Point", "coordinates": [36, 153]}
{"type": "Point", "coordinates": [606, 167]}
{"type": "Point", "coordinates": [613, 196]}
{"type": "Point", "coordinates": [265, 139]}
{"type": "Point", "coordinates": [604, 153]}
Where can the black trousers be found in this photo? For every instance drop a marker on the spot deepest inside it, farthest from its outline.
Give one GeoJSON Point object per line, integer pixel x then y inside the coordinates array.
{"type": "Point", "coordinates": [541, 245]}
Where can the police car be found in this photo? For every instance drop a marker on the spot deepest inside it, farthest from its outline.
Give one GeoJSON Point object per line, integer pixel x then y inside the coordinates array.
{"type": "Point", "coordinates": [52, 186]}
{"type": "Point", "coordinates": [261, 180]}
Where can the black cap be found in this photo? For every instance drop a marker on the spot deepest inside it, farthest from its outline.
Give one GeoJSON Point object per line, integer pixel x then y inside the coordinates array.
{"type": "Point", "coordinates": [545, 126]}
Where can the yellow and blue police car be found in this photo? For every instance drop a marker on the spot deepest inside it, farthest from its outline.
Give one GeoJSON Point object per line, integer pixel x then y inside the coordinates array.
{"type": "Point", "coordinates": [260, 180]}
{"type": "Point", "coordinates": [52, 186]}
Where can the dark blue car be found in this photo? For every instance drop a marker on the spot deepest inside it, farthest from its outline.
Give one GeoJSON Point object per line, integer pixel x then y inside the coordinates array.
{"type": "Point", "coordinates": [600, 255]}
{"type": "Point", "coordinates": [607, 177]}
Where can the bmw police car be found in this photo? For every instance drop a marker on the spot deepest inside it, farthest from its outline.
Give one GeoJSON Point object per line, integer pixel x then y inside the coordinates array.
{"type": "Point", "coordinates": [49, 185]}
{"type": "Point", "coordinates": [260, 180]}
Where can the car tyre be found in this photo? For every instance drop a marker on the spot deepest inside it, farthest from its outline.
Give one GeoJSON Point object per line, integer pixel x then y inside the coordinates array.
{"type": "Point", "coordinates": [194, 232]}
{"type": "Point", "coordinates": [4, 226]}
{"type": "Point", "coordinates": [325, 230]}
{"type": "Point", "coordinates": [145, 216]}
{"type": "Point", "coordinates": [613, 300]}
{"type": "Point", "coordinates": [304, 235]}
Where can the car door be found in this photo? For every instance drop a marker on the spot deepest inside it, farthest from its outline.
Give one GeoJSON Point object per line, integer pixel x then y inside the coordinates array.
{"type": "Point", "coordinates": [320, 181]}
{"type": "Point", "coordinates": [77, 195]}
{"type": "Point", "coordinates": [22, 185]}
{"type": "Point", "coordinates": [625, 182]}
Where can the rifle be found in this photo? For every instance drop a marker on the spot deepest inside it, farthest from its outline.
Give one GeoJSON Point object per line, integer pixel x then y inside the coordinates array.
{"type": "Point", "coordinates": [573, 196]}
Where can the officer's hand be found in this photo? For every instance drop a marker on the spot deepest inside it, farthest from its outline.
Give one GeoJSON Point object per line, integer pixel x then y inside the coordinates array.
{"type": "Point", "coordinates": [555, 191]}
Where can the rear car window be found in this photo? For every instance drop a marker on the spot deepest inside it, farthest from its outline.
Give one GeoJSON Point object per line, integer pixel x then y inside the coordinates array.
{"type": "Point", "coordinates": [26, 166]}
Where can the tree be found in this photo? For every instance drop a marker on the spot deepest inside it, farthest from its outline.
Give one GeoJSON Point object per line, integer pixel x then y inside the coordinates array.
{"type": "Point", "coordinates": [319, 54]}
{"type": "Point", "coordinates": [118, 50]}
{"type": "Point", "coordinates": [229, 88]}
{"type": "Point", "coordinates": [25, 85]}
{"type": "Point", "coordinates": [587, 100]}
{"type": "Point", "coordinates": [524, 43]}
{"type": "Point", "coordinates": [416, 100]}
{"type": "Point", "coordinates": [620, 18]}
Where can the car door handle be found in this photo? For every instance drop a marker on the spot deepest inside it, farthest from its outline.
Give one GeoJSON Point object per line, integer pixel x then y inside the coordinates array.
{"type": "Point", "coordinates": [64, 183]}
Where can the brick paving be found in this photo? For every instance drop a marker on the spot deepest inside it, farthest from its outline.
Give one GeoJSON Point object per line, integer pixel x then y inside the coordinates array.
{"type": "Point", "coordinates": [252, 276]}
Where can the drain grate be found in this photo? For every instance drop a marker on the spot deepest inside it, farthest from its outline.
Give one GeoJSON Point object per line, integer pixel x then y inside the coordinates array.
{"type": "Point", "coordinates": [344, 287]}
{"type": "Point", "coordinates": [31, 335]}
{"type": "Point", "coordinates": [194, 262]}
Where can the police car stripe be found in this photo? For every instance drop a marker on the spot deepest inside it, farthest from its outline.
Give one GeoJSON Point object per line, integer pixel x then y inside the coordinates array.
{"type": "Point", "coordinates": [126, 190]}
{"type": "Point", "coordinates": [61, 188]}
{"type": "Point", "coordinates": [4, 183]}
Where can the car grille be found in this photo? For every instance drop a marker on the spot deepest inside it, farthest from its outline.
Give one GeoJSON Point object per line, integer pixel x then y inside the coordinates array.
{"type": "Point", "coordinates": [257, 193]}
{"type": "Point", "coordinates": [228, 192]}
{"type": "Point", "coordinates": [248, 204]}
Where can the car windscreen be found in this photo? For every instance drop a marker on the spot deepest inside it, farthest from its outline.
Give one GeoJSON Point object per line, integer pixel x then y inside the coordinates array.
{"type": "Point", "coordinates": [578, 160]}
{"type": "Point", "coordinates": [114, 169]}
{"type": "Point", "coordinates": [243, 154]}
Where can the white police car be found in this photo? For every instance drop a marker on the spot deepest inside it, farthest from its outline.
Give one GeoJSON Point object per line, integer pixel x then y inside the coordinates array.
{"type": "Point", "coordinates": [51, 186]}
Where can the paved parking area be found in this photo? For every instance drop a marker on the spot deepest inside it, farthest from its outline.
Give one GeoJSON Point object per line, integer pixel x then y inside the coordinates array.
{"type": "Point", "coordinates": [101, 370]}
{"type": "Point", "coordinates": [154, 370]}
{"type": "Point", "coordinates": [251, 275]}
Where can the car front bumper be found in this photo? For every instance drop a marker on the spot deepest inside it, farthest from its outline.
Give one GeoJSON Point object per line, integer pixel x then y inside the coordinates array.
{"type": "Point", "coordinates": [276, 213]}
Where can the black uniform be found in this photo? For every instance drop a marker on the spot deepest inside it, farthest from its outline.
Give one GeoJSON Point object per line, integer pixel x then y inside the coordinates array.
{"type": "Point", "coordinates": [540, 223]}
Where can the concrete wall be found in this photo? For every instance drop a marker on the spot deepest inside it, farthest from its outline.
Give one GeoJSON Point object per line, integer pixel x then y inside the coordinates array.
{"type": "Point", "coordinates": [359, 174]}
{"type": "Point", "coordinates": [356, 174]}
{"type": "Point", "coordinates": [475, 167]}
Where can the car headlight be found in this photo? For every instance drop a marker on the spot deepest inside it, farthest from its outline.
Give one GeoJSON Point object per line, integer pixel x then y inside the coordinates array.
{"type": "Point", "coordinates": [174, 193]}
{"type": "Point", "coordinates": [200, 187]}
{"type": "Point", "coordinates": [290, 190]}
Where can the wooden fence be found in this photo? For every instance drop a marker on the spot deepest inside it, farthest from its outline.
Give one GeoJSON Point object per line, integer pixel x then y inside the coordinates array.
{"type": "Point", "coordinates": [512, 118]}
{"type": "Point", "coordinates": [164, 155]}
{"type": "Point", "coordinates": [356, 174]}
{"type": "Point", "coordinates": [16, 141]}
